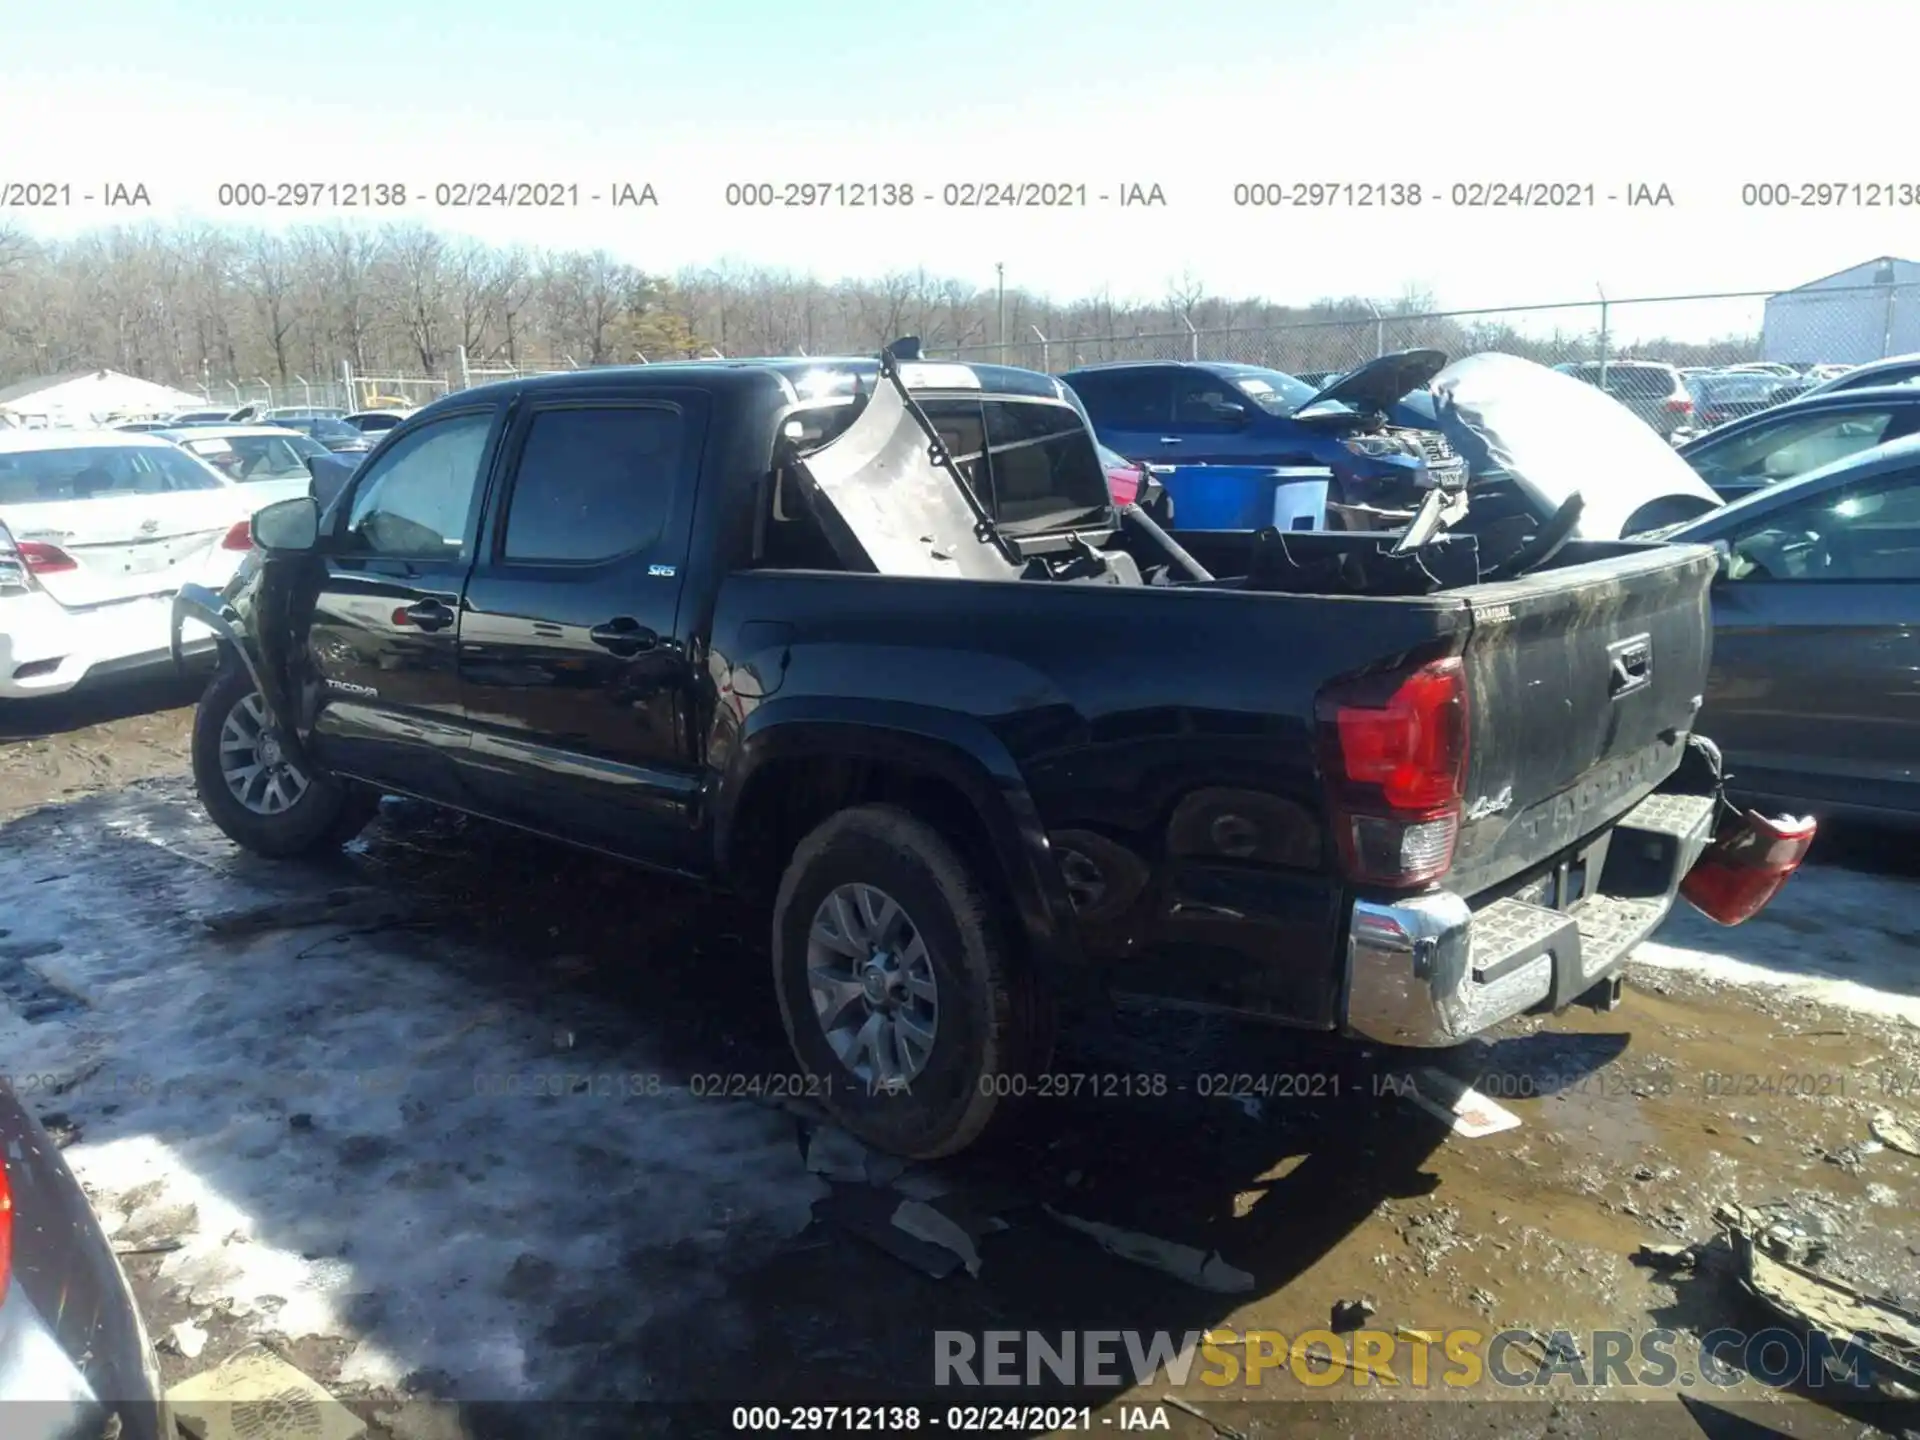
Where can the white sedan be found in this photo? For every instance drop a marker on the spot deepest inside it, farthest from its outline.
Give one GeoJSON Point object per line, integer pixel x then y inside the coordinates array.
{"type": "Point", "coordinates": [270, 460]}
{"type": "Point", "coordinates": [98, 528]}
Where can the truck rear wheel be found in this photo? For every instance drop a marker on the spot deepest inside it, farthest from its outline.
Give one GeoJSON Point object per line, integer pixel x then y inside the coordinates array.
{"type": "Point", "coordinates": [901, 996]}
{"type": "Point", "coordinates": [257, 796]}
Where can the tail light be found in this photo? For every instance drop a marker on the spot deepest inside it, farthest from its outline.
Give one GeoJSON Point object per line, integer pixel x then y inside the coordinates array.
{"type": "Point", "coordinates": [1393, 751]}
{"type": "Point", "coordinates": [240, 537]}
{"type": "Point", "coordinates": [1680, 405]}
{"type": "Point", "coordinates": [1123, 482]}
{"type": "Point", "coordinates": [43, 559]}
{"type": "Point", "coordinates": [1745, 866]}
{"type": "Point", "coordinates": [15, 579]}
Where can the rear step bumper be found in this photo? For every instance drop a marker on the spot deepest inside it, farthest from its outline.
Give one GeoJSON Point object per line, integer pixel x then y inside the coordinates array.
{"type": "Point", "coordinates": [1432, 970]}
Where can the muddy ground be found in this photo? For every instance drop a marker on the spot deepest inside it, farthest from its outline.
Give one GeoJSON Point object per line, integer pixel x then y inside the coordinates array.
{"type": "Point", "coordinates": [334, 1138]}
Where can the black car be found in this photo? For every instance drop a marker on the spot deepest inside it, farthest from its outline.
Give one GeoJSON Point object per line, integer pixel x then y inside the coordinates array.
{"type": "Point", "coordinates": [1814, 695]}
{"type": "Point", "coordinates": [1782, 442]}
{"type": "Point", "coordinates": [331, 431]}
{"type": "Point", "coordinates": [74, 1356]}
{"type": "Point", "coordinates": [871, 644]}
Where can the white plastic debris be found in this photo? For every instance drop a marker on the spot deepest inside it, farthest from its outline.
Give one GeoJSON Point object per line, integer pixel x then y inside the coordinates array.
{"type": "Point", "coordinates": [1183, 1262]}
{"type": "Point", "coordinates": [1457, 1104]}
{"type": "Point", "coordinates": [923, 1222]}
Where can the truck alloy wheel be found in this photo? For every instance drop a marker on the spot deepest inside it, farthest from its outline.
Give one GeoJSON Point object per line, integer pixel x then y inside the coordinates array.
{"type": "Point", "coordinates": [250, 787]}
{"type": "Point", "coordinates": [874, 991]}
{"type": "Point", "coordinates": [904, 1000]}
{"type": "Point", "coordinates": [252, 762]}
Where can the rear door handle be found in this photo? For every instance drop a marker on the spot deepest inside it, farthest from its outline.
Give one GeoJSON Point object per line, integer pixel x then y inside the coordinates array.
{"type": "Point", "coordinates": [623, 635]}
{"type": "Point", "coordinates": [1169, 439]}
{"type": "Point", "coordinates": [425, 615]}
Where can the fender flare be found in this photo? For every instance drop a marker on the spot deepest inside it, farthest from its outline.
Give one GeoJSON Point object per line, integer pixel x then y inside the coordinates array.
{"type": "Point", "coordinates": [955, 748]}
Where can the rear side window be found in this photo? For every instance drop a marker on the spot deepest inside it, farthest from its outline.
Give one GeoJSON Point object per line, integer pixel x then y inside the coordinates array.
{"type": "Point", "coordinates": [1638, 380]}
{"type": "Point", "coordinates": [594, 484]}
{"type": "Point", "coordinates": [1126, 399]}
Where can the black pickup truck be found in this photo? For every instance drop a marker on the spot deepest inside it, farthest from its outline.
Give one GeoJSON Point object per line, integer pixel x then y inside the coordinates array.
{"type": "Point", "coordinates": [868, 642]}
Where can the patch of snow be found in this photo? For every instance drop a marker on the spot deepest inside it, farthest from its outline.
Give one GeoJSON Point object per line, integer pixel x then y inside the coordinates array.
{"type": "Point", "coordinates": [1834, 936]}
{"type": "Point", "coordinates": [360, 1140]}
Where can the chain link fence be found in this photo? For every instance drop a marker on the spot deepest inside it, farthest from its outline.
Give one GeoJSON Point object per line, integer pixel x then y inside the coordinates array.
{"type": "Point", "coordinates": [1816, 329]}
{"type": "Point", "coordinates": [1804, 329]}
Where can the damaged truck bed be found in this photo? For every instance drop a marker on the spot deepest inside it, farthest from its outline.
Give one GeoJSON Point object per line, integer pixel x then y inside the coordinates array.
{"type": "Point", "coordinates": [896, 666]}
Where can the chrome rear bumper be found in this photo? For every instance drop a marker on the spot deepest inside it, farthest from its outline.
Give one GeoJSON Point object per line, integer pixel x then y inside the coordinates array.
{"type": "Point", "coordinates": [1431, 970]}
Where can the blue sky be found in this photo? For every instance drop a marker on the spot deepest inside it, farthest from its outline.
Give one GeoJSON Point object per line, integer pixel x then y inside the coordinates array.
{"type": "Point", "coordinates": [1699, 96]}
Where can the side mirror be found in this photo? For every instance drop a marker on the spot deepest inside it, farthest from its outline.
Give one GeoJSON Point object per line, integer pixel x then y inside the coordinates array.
{"type": "Point", "coordinates": [287, 525]}
{"type": "Point", "coordinates": [1232, 412]}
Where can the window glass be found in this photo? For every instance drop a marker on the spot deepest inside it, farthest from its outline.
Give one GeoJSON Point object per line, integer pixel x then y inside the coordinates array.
{"type": "Point", "coordinates": [1869, 531]}
{"type": "Point", "coordinates": [258, 457]}
{"type": "Point", "coordinates": [594, 483]}
{"type": "Point", "coordinates": [1204, 401]}
{"type": "Point", "coordinates": [416, 501]}
{"type": "Point", "coordinates": [1127, 399]}
{"type": "Point", "coordinates": [92, 472]}
{"type": "Point", "coordinates": [1792, 445]}
{"type": "Point", "coordinates": [1046, 472]}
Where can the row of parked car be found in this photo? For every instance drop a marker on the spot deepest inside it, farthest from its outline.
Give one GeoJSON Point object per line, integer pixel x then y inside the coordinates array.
{"type": "Point", "coordinates": [723, 618]}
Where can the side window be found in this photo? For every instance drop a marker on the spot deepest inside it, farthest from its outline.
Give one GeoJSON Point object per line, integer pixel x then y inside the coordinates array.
{"type": "Point", "coordinates": [1794, 445]}
{"type": "Point", "coordinates": [1869, 531]}
{"type": "Point", "coordinates": [1202, 401]}
{"type": "Point", "coordinates": [594, 483]}
{"type": "Point", "coordinates": [1046, 470]}
{"type": "Point", "coordinates": [415, 503]}
{"type": "Point", "coordinates": [1128, 399]}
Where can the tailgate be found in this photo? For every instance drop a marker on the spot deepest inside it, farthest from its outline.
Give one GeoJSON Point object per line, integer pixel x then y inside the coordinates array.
{"type": "Point", "coordinates": [126, 546]}
{"type": "Point", "coordinates": [1583, 682]}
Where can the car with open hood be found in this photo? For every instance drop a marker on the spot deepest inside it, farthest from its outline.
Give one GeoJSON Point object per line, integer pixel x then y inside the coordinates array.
{"type": "Point", "coordinates": [869, 643]}
{"type": "Point", "coordinates": [1181, 414]}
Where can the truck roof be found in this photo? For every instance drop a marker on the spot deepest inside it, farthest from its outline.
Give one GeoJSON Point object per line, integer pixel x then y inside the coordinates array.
{"type": "Point", "coordinates": [801, 375]}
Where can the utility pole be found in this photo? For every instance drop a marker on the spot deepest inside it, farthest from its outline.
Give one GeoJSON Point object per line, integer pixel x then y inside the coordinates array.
{"type": "Point", "coordinates": [1000, 285]}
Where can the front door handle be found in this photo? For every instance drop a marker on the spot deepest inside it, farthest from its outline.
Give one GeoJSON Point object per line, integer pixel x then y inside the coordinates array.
{"type": "Point", "coordinates": [623, 635]}
{"type": "Point", "coordinates": [425, 615]}
{"type": "Point", "coordinates": [1169, 439]}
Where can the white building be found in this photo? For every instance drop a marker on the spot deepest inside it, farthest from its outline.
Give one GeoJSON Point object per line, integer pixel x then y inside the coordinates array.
{"type": "Point", "coordinates": [1866, 312]}
{"type": "Point", "coordinates": [90, 397]}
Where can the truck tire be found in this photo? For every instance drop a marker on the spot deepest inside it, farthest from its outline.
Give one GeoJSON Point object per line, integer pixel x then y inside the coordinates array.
{"type": "Point", "coordinates": [909, 1012]}
{"type": "Point", "coordinates": [265, 804]}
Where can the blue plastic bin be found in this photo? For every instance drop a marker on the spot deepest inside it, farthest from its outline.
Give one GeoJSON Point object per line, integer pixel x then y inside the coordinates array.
{"type": "Point", "coordinates": [1248, 497]}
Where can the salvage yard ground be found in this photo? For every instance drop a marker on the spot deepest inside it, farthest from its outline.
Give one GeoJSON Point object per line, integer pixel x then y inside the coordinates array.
{"type": "Point", "coordinates": [316, 1108]}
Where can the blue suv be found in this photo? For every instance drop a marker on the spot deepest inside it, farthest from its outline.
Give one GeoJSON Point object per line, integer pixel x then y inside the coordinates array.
{"type": "Point", "coordinates": [1367, 426]}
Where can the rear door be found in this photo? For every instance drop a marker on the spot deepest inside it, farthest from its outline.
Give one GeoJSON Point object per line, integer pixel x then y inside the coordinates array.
{"type": "Point", "coordinates": [576, 674]}
{"type": "Point", "coordinates": [386, 619]}
{"type": "Point", "coordinates": [129, 521]}
{"type": "Point", "coordinates": [1132, 410]}
{"type": "Point", "coordinates": [1815, 692]}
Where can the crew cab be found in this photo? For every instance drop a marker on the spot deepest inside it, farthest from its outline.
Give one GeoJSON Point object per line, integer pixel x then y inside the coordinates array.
{"type": "Point", "coordinates": [867, 643]}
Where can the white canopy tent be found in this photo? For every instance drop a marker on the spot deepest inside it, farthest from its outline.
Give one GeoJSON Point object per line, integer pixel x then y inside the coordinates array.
{"type": "Point", "coordinates": [90, 397]}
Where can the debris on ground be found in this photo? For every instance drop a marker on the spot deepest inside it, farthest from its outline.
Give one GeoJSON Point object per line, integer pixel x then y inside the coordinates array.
{"type": "Point", "coordinates": [255, 1395]}
{"type": "Point", "coordinates": [921, 1221]}
{"type": "Point", "coordinates": [1888, 1129]}
{"type": "Point", "coordinates": [1666, 1258]}
{"type": "Point", "coordinates": [1458, 1105]}
{"type": "Point", "coordinates": [869, 1214]}
{"type": "Point", "coordinates": [1197, 1267]}
{"type": "Point", "coordinates": [187, 1339]}
{"type": "Point", "coordinates": [1771, 1228]}
{"type": "Point", "coordinates": [833, 1154]}
{"type": "Point", "coordinates": [1225, 1432]}
{"type": "Point", "coordinates": [1887, 1333]}
{"type": "Point", "coordinates": [1352, 1314]}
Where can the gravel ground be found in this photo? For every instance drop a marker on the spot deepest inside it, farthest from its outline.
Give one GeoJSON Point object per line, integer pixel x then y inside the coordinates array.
{"type": "Point", "coordinates": [453, 1136]}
